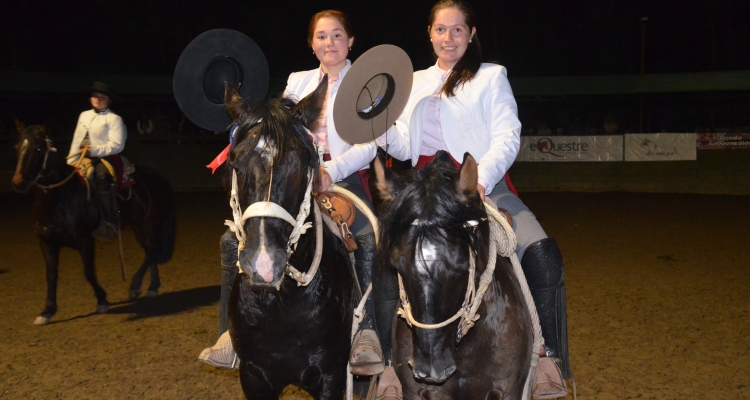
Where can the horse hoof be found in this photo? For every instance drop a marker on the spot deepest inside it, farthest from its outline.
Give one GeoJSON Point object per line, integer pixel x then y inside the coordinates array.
{"type": "Point", "coordinates": [134, 294]}
{"type": "Point", "coordinates": [152, 293]}
{"type": "Point", "coordinates": [41, 320]}
{"type": "Point", "coordinates": [102, 308]}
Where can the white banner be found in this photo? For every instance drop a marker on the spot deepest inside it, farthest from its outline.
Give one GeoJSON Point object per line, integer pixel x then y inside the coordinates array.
{"type": "Point", "coordinates": [570, 148]}
{"type": "Point", "coordinates": [659, 146]}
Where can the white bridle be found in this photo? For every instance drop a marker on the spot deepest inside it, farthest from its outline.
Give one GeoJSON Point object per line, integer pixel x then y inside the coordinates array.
{"type": "Point", "coordinates": [270, 209]}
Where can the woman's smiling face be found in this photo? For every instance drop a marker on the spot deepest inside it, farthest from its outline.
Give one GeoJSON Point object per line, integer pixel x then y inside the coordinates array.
{"type": "Point", "coordinates": [450, 36]}
{"type": "Point", "coordinates": [331, 43]}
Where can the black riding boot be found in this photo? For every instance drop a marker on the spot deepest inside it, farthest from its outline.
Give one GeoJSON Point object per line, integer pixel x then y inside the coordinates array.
{"type": "Point", "coordinates": [385, 299]}
{"type": "Point", "coordinates": [104, 187]}
{"type": "Point", "coordinates": [366, 356]}
{"type": "Point", "coordinates": [228, 248]}
{"type": "Point", "coordinates": [543, 267]}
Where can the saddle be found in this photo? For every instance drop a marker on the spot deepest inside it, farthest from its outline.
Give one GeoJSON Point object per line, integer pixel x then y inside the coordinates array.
{"type": "Point", "coordinates": [121, 169]}
{"type": "Point", "coordinates": [341, 213]}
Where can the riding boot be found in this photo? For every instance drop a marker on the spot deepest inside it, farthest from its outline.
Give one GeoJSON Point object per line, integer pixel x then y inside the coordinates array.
{"type": "Point", "coordinates": [107, 230]}
{"type": "Point", "coordinates": [366, 356]}
{"type": "Point", "coordinates": [386, 301]}
{"type": "Point", "coordinates": [542, 265]}
{"type": "Point", "coordinates": [222, 354]}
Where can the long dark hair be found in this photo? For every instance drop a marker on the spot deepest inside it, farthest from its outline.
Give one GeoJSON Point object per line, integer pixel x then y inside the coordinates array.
{"type": "Point", "coordinates": [466, 68]}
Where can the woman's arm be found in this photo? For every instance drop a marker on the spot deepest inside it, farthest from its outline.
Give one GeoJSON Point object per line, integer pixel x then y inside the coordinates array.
{"type": "Point", "coordinates": [504, 131]}
{"type": "Point", "coordinates": [115, 141]}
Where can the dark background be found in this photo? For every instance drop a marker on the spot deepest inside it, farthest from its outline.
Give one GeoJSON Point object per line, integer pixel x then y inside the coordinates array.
{"type": "Point", "coordinates": [531, 38]}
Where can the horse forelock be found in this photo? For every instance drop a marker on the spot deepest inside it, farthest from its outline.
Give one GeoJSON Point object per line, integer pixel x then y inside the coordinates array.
{"type": "Point", "coordinates": [270, 129]}
{"type": "Point", "coordinates": [428, 211]}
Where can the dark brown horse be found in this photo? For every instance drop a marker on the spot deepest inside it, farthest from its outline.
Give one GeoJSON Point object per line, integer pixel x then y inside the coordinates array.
{"type": "Point", "coordinates": [285, 332]}
{"type": "Point", "coordinates": [433, 224]}
{"type": "Point", "coordinates": [65, 217]}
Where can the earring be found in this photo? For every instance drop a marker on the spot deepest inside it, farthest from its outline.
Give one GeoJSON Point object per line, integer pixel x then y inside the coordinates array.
{"type": "Point", "coordinates": [469, 40]}
{"type": "Point", "coordinates": [350, 49]}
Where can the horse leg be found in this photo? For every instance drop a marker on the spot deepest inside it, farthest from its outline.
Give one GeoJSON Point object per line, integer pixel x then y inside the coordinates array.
{"type": "Point", "coordinates": [254, 384]}
{"type": "Point", "coordinates": [87, 256]}
{"type": "Point", "coordinates": [135, 285]}
{"type": "Point", "coordinates": [153, 287]}
{"type": "Point", "coordinates": [51, 258]}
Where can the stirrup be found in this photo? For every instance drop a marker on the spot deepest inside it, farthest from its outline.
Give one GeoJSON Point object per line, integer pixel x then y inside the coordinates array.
{"type": "Point", "coordinates": [549, 383]}
{"type": "Point", "coordinates": [222, 354]}
{"type": "Point", "coordinates": [366, 356]}
{"type": "Point", "coordinates": [389, 387]}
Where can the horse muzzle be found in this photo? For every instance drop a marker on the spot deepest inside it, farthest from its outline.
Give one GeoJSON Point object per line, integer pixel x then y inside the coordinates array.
{"type": "Point", "coordinates": [19, 184]}
{"type": "Point", "coordinates": [263, 268]}
{"type": "Point", "coordinates": [435, 367]}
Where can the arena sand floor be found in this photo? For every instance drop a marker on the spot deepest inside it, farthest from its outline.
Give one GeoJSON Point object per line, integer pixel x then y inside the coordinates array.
{"type": "Point", "coordinates": [658, 303]}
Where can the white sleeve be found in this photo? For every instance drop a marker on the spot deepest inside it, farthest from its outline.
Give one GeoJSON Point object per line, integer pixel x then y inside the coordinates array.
{"type": "Point", "coordinates": [78, 135]}
{"type": "Point", "coordinates": [116, 136]}
{"type": "Point", "coordinates": [357, 157]}
{"type": "Point", "coordinates": [504, 130]}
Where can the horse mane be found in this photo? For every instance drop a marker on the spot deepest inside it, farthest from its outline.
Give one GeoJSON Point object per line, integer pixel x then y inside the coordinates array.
{"type": "Point", "coordinates": [272, 123]}
{"type": "Point", "coordinates": [430, 199]}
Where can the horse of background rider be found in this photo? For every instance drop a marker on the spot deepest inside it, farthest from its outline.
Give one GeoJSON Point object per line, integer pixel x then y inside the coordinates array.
{"type": "Point", "coordinates": [65, 215]}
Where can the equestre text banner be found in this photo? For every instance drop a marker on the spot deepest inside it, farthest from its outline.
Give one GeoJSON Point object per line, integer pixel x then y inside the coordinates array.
{"type": "Point", "coordinates": [659, 146]}
{"type": "Point", "coordinates": [714, 141]}
{"type": "Point", "coordinates": [570, 148]}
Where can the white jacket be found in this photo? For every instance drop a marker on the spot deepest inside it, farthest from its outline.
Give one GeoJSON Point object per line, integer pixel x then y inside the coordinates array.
{"type": "Point", "coordinates": [106, 131]}
{"type": "Point", "coordinates": [481, 119]}
{"type": "Point", "coordinates": [345, 158]}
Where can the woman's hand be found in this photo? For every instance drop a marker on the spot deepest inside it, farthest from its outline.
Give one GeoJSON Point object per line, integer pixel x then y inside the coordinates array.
{"type": "Point", "coordinates": [481, 190]}
{"type": "Point", "coordinates": [324, 181]}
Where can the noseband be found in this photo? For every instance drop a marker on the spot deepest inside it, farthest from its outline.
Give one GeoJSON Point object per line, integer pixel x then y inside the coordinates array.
{"type": "Point", "coordinates": [49, 148]}
{"type": "Point", "coordinates": [270, 209]}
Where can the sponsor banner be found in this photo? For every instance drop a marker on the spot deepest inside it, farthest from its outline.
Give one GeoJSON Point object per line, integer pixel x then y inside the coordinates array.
{"type": "Point", "coordinates": [710, 141]}
{"type": "Point", "coordinates": [659, 146]}
{"type": "Point", "coordinates": [570, 148]}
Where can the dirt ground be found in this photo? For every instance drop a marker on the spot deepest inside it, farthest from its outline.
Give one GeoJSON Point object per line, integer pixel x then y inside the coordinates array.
{"type": "Point", "coordinates": [657, 303]}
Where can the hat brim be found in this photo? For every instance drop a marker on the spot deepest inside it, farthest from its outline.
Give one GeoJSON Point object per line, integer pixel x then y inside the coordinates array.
{"type": "Point", "coordinates": [356, 126]}
{"type": "Point", "coordinates": [198, 89]}
{"type": "Point", "coordinates": [107, 92]}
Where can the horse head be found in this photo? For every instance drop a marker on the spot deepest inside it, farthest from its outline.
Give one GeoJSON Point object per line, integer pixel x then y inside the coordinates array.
{"type": "Point", "coordinates": [33, 149]}
{"type": "Point", "coordinates": [433, 224]}
{"type": "Point", "coordinates": [273, 164]}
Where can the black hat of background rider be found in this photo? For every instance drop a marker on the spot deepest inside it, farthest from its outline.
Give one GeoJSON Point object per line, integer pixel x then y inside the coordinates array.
{"type": "Point", "coordinates": [103, 88]}
{"type": "Point", "coordinates": [373, 94]}
{"type": "Point", "coordinates": [211, 59]}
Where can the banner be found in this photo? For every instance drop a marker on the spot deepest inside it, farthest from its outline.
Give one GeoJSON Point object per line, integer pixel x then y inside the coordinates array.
{"type": "Point", "coordinates": [570, 148]}
{"type": "Point", "coordinates": [712, 141]}
{"type": "Point", "coordinates": [659, 146]}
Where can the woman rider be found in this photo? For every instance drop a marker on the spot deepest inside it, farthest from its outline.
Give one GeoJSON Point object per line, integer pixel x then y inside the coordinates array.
{"type": "Point", "coordinates": [330, 37]}
{"type": "Point", "coordinates": [463, 105]}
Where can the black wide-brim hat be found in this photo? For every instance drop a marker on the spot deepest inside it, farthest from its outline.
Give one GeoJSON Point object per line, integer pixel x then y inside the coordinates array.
{"type": "Point", "coordinates": [211, 59]}
{"type": "Point", "coordinates": [373, 94]}
{"type": "Point", "coordinates": [103, 88]}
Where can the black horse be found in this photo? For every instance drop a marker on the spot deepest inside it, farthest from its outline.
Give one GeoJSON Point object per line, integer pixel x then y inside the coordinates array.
{"type": "Point", "coordinates": [433, 223]}
{"type": "Point", "coordinates": [64, 215]}
{"type": "Point", "coordinates": [284, 332]}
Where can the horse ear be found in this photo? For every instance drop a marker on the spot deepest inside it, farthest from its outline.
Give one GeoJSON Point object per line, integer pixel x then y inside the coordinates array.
{"type": "Point", "coordinates": [233, 102]}
{"type": "Point", "coordinates": [20, 126]}
{"type": "Point", "coordinates": [444, 159]}
{"type": "Point", "coordinates": [385, 184]}
{"type": "Point", "coordinates": [466, 186]}
{"type": "Point", "coordinates": [308, 109]}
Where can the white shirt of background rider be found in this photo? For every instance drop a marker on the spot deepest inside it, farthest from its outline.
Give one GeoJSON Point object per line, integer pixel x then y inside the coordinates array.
{"type": "Point", "coordinates": [103, 129]}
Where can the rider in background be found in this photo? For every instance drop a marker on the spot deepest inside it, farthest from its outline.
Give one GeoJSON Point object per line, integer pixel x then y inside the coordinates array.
{"type": "Point", "coordinates": [463, 105]}
{"type": "Point", "coordinates": [330, 38]}
{"type": "Point", "coordinates": [103, 133]}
